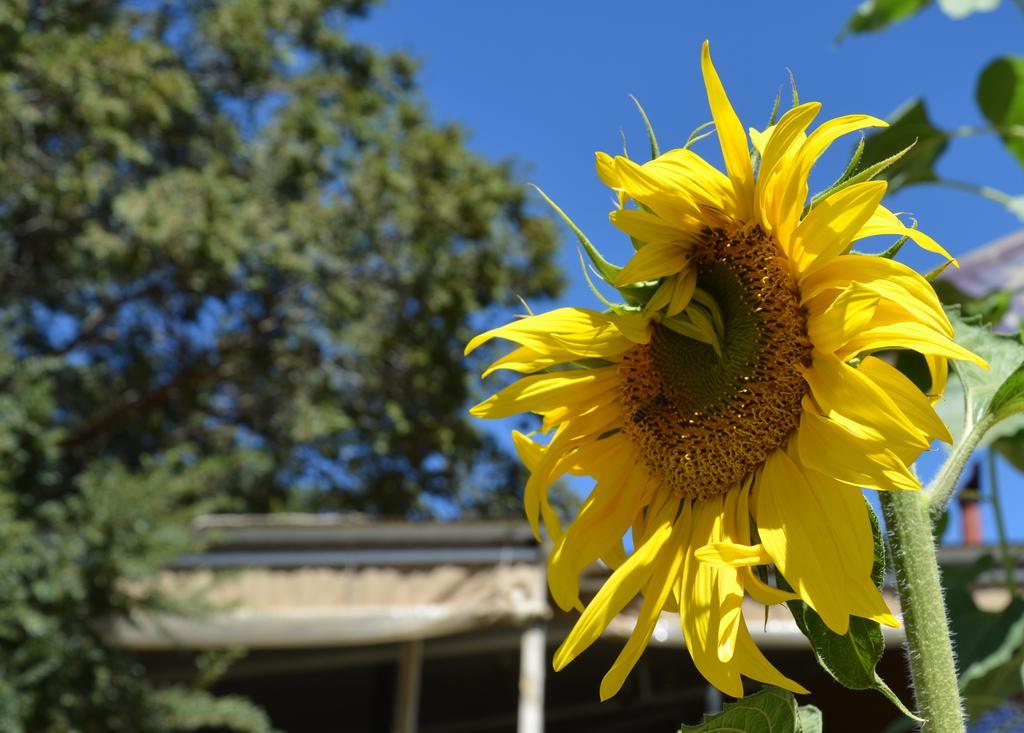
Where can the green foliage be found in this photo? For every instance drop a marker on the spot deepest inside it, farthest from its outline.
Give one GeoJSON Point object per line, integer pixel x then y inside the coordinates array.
{"type": "Point", "coordinates": [980, 395]}
{"type": "Point", "coordinates": [990, 308]}
{"type": "Point", "coordinates": [874, 15]}
{"type": "Point", "coordinates": [770, 710]}
{"type": "Point", "coordinates": [973, 319]}
{"type": "Point", "coordinates": [70, 569]}
{"type": "Point", "coordinates": [990, 646]}
{"type": "Point", "coordinates": [1000, 95]}
{"type": "Point", "coordinates": [247, 232]}
{"type": "Point", "coordinates": [909, 126]}
{"type": "Point", "coordinates": [179, 709]}
{"type": "Point", "coordinates": [851, 658]}
{"type": "Point", "coordinates": [957, 9]}
{"type": "Point", "coordinates": [808, 719]}
{"type": "Point", "coordinates": [238, 265]}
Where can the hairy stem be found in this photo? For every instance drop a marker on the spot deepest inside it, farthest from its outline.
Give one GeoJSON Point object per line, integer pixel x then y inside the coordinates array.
{"type": "Point", "coordinates": [930, 649]}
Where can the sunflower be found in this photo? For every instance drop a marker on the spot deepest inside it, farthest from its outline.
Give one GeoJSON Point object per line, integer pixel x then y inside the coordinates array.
{"type": "Point", "coordinates": [732, 413]}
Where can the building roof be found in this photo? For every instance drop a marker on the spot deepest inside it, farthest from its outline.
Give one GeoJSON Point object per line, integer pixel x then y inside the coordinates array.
{"type": "Point", "coordinates": [292, 581]}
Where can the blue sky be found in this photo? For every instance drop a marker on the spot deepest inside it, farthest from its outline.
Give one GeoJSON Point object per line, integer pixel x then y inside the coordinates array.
{"type": "Point", "coordinates": [547, 83]}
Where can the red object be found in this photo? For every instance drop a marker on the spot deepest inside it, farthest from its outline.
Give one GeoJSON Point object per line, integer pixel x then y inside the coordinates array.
{"type": "Point", "coordinates": [970, 510]}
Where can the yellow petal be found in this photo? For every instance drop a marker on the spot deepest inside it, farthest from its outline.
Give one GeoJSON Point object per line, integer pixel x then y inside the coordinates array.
{"type": "Point", "coordinates": [649, 228]}
{"type": "Point", "coordinates": [523, 360]}
{"type": "Point", "coordinates": [842, 320]}
{"type": "Point", "coordinates": [532, 330]}
{"type": "Point", "coordinates": [740, 533]}
{"type": "Point", "coordinates": [731, 555]}
{"type": "Point", "coordinates": [619, 589]}
{"type": "Point", "coordinates": [938, 368]}
{"type": "Point", "coordinates": [908, 398]}
{"type": "Point", "coordinates": [600, 523]}
{"type": "Point", "coordinates": [798, 166]}
{"type": "Point", "coordinates": [829, 448]}
{"type": "Point", "coordinates": [828, 230]}
{"type": "Point", "coordinates": [606, 170]}
{"type": "Point", "coordinates": [795, 529]}
{"type": "Point", "coordinates": [788, 132]}
{"type": "Point", "coordinates": [848, 393]}
{"type": "Point", "coordinates": [542, 392]}
{"type": "Point", "coordinates": [682, 291]}
{"type": "Point", "coordinates": [686, 171]}
{"type": "Point", "coordinates": [914, 336]}
{"type": "Point", "coordinates": [733, 140]}
{"type": "Point", "coordinates": [662, 296]}
{"type": "Point", "coordinates": [652, 262]}
{"type": "Point", "coordinates": [883, 222]}
{"type": "Point", "coordinates": [545, 464]}
{"type": "Point", "coordinates": [658, 192]}
{"type": "Point", "coordinates": [700, 607]}
{"type": "Point", "coordinates": [754, 665]}
{"type": "Point", "coordinates": [890, 279]}
{"type": "Point", "coordinates": [666, 573]}
{"type": "Point", "coordinates": [605, 341]}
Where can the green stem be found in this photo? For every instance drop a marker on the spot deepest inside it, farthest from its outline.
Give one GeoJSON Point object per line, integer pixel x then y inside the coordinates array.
{"type": "Point", "coordinates": [941, 489]}
{"type": "Point", "coordinates": [930, 650]}
{"type": "Point", "coordinates": [971, 130]}
{"type": "Point", "coordinates": [997, 509]}
{"type": "Point", "coordinates": [992, 194]}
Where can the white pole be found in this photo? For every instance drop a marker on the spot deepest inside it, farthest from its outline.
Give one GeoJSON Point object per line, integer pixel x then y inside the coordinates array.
{"type": "Point", "coordinates": [407, 698]}
{"type": "Point", "coordinates": [532, 653]}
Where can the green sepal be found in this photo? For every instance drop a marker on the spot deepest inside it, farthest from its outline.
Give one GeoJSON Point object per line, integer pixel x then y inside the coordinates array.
{"type": "Point", "coordinates": [771, 710]}
{"type": "Point", "coordinates": [698, 134]}
{"type": "Point", "coordinates": [850, 658]}
{"type": "Point", "coordinates": [868, 174]}
{"type": "Point", "coordinates": [914, 142]}
{"type": "Point", "coordinates": [605, 269]}
{"type": "Point", "coordinates": [774, 116]}
{"type": "Point", "coordinates": [593, 288]}
{"type": "Point", "coordinates": [854, 161]}
{"type": "Point", "coordinates": [792, 86]}
{"type": "Point", "coordinates": [655, 150]}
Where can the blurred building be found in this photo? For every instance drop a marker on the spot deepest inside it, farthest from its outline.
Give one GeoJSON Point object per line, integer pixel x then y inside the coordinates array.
{"type": "Point", "coordinates": [380, 627]}
{"type": "Point", "coordinates": [996, 266]}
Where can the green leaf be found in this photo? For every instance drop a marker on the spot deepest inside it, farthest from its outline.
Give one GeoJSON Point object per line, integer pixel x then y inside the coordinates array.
{"type": "Point", "coordinates": [958, 9]}
{"type": "Point", "coordinates": [770, 710]}
{"type": "Point", "coordinates": [809, 719]}
{"type": "Point", "coordinates": [991, 307]}
{"type": "Point", "coordinates": [978, 392]}
{"type": "Point", "coordinates": [990, 646]}
{"type": "Point", "coordinates": [1009, 398]}
{"type": "Point", "coordinates": [874, 15]}
{"type": "Point", "coordinates": [1000, 96]}
{"type": "Point", "coordinates": [911, 128]}
{"type": "Point", "coordinates": [850, 658]}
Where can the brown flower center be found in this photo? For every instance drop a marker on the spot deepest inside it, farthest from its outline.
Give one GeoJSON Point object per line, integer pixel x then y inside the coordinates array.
{"type": "Point", "coordinates": [703, 421]}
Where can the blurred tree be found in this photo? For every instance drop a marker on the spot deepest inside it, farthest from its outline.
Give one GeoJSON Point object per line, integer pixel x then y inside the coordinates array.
{"type": "Point", "coordinates": [237, 260]}
{"type": "Point", "coordinates": [238, 229]}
